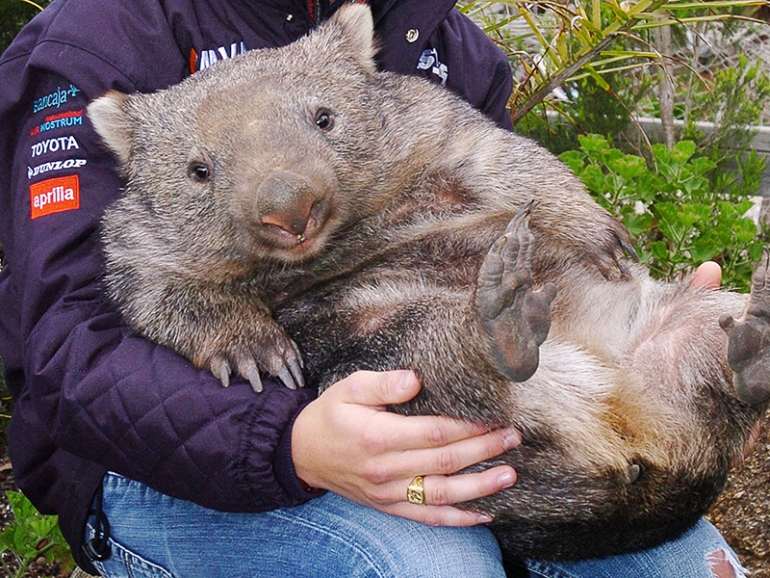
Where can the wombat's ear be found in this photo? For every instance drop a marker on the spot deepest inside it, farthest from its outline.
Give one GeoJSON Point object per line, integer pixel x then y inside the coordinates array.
{"type": "Point", "coordinates": [355, 21]}
{"type": "Point", "coordinates": [110, 118]}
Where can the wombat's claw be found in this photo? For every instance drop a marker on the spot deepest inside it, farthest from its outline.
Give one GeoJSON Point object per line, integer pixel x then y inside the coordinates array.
{"type": "Point", "coordinates": [248, 369]}
{"type": "Point", "coordinates": [286, 364]}
{"type": "Point", "coordinates": [748, 345]}
{"type": "Point", "coordinates": [291, 376]}
{"type": "Point", "coordinates": [628, 248]}
{"type": "Point", "coordinates": [632, 473]}
{"type": "Point", "coordinates": [221, 369]}
{"type": "Point", "coordinates": [515, 317]}
{"type": "Point", "coordinates": [610, 252]}
{"type": "Point", "coordinates": [295, 368]}
{"type": "Point", "coordinates": [273, 353]}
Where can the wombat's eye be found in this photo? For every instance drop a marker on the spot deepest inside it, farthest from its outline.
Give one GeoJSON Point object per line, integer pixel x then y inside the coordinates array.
{"type": "Point", "coordinates": [324, 119]}
{"type": "Point", "coordinates": [199, 172]}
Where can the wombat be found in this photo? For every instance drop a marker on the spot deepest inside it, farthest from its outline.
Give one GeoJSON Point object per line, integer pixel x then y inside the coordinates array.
{"type": "Point", "coordinates": [297, 199]}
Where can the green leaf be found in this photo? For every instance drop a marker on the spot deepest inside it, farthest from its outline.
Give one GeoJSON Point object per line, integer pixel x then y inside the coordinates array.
{"type": "Point", "coordinates": [575, 160]}
{"type": "Point", "coordinates": [755, 251]}
{"type": "Point", "coordinates": [638, 224]}
{"type": "Point", "coordinates": [673, 222]}
{"type": "Point", "coordinates": [595, 180]}
{"type": "Point", "coordinates": [22, 508]}
{"type": "Point", "coordinates": [702, 165]}
{"type": "Point", "coordinates": [593, 143]}
{"type": "Point", "coordinates": [659, 250]}
{"type": "Point", "coordinates": [31, 532]}
{"type": "Point", "coordinates": [704, 248]}
{"type": "Point", "coordinates": [628, 166]}
{"type": "Point", "coordinates": [683, 150]}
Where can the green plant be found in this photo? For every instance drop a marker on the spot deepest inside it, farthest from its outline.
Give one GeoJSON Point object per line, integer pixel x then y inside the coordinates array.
{"type": "Point", "coordinates": [31, 536]}
{"type": "Point", "coordinates": [551, 44]}
{"type": "Point", "coordinates": [736, 99]}
{"type": "Point", "coordinates": [680, 210]}
{"type": "Point", "coordinates": [14, 14]}
{"type": "Point", "coordinates": [594, 109]}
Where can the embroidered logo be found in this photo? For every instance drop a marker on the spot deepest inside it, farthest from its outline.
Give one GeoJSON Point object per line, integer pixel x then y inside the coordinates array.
{"type": "Point", "coordinates": [208, 57]}
{"type": "Point", "coordinates": [56, 98]}
{"type": "Point", "coordinates": [33, 172]}
{"type": "Point", "coordinates": [61, 120]}
{"type": "Point", "coordinates": [53, 145]}
{"type": "Point", "coordinates": [429, 61]}
{"type": "Point", "coordinates": [54, 196]}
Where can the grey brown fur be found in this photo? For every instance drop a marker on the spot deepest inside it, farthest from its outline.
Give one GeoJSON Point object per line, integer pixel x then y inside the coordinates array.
{"type": "Point", "coordinates": [298, 197]}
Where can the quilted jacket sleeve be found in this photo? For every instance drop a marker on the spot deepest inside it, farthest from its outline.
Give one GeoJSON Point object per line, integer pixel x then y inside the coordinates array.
{"type": "Point", "coordinates": [83, 383]}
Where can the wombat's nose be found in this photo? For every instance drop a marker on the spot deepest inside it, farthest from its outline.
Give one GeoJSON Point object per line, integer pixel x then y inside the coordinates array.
{"type": "Point", "coordinates": [285, 200]}
{"type": "Point", "coordinates": [292, 221]}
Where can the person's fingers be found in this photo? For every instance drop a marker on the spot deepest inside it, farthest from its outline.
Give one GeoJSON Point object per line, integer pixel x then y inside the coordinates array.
{"type": "Point", "coordinates": [452, 490]}
{"type": "Point", "coordinates": [415, 432]}
{"type": "Point", "coordinates": [376, 454]}
{"type": "Point", "coordinates": [442, 492]}
{"type": "Point", "coordinates": [708, 276]}
{"type": "Point", "coordinates": [438, 515]}
{"type": "Point", "coordinates": [448, 490]}
{"type": "Point", "coordinates": [448, 459]}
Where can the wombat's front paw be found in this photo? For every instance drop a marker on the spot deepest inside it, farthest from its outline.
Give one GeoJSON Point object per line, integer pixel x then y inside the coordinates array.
{"type": "Point", "coordinates": [515, 317]}
{"type": "Point", "coordinates": [748, 349]}
{"type": "Point", "coordinates": [610, 250]}
{"type": "Point", "coordinates": [273, 353]}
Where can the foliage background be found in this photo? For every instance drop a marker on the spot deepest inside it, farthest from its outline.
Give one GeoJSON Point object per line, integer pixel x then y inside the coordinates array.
{"type": "Point", "coordinates": [584, 71]}
{"type": "Point", "coordinates": [13, 15]}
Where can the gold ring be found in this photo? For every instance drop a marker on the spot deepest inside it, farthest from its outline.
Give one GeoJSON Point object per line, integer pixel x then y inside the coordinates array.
{"type": "Point", "coordinates": [415, 493]}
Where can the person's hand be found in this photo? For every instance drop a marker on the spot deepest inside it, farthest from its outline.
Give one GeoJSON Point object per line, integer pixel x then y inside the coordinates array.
{"type": "Point", "coordinates": [347, 442]}
{"type": "Point", "coordinates": [708, 275]}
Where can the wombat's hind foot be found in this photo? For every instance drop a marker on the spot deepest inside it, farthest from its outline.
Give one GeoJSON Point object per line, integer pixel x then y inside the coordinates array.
{"type": "Point", "coordinates": [515, 317]}
{"type": "Point", "coordinates": [283, 362]}
{"type": "Point", "coordinates": [748, 349]}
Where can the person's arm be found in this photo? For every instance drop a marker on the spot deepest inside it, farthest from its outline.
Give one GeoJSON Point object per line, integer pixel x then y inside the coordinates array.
{"type": "Point", "coordinates": [477, 69]}
{"type": "Point", "coordinates": [450, 50]}
{"type": "Point", "coordinates": [104, 393]}
{"type": "Point", "coordinates": [110, 396]}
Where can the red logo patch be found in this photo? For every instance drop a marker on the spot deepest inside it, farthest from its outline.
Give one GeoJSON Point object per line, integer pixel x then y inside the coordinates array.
{"type": "Point", "coordinates": [54, 196]}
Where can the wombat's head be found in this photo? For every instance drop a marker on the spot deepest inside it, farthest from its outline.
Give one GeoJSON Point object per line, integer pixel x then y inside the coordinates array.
{"type": "Point", "coordinates": [264, 156]}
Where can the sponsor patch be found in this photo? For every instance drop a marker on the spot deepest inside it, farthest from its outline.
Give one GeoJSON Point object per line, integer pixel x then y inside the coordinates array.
{"type": "Point", "coordinates": [33, 172]}
{"type": "Point", "coordinates": [429, 61]}
{"type": "Point", "coordinates": [61, 120]}
{"type": "Point", "coordinates": [204, 59]}
{"type": "Point", "coordinates": [54, 196]}
{"type": "Point", "coordinates": [54, 145]}
{"type": "Point", "coordinates": [55, 99]}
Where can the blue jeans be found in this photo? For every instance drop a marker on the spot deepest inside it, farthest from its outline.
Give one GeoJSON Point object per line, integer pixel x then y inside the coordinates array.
{"type": "Point", "coordinates": [154, 535]}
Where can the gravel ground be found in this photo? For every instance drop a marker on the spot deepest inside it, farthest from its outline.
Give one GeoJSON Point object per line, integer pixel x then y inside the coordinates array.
{"type": "Point", "coordinates": [743, 511]}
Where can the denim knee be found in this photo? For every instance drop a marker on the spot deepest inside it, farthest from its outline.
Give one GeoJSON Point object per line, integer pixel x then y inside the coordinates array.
{"type": "Point", "coordinates": [699, 553]}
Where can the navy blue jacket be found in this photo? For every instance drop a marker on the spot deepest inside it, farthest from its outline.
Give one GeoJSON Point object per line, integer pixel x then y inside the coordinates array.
{"type": "Point", "coordinates": [89, 394]}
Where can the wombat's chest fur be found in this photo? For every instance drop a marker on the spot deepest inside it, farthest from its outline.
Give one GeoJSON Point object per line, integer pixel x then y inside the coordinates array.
{"type": "Point", "coordinates": [418, 229]}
